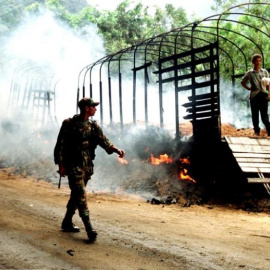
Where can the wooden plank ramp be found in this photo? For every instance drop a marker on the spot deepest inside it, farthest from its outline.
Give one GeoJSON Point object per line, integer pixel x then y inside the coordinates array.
{"type": "Point", "coordinates": [253, 156]}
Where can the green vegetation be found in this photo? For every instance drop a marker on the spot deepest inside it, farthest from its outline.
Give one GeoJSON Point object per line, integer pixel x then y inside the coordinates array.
{"type": "Point", "coordinates": [130, 24]}
{"type": "Point", "coordinates": [127, 25]}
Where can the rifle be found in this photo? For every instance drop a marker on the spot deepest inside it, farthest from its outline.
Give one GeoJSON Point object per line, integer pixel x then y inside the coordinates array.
{"type": "Point", "coordinates": [59, 183]}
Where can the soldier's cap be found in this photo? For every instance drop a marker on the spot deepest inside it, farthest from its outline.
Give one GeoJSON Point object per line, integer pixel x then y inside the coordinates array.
{"type": "Point", "coordinates": [87, 102]}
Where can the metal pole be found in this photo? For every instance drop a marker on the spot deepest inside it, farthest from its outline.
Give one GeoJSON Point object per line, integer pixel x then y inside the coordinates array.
{"type": "Point", "coordinates": [101, 103]}
{"type": "Point", "coordinates": [145, 96]}
{"type": "Point", "coordinates": [120, 100]}
{"type": "Point", "coordinates": [160, 95]}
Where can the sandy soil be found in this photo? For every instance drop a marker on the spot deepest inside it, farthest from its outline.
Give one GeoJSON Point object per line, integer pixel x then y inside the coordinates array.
{"type": "Point", "coordinates": [226, 130]}
{"type": "Point", "coordinates": [133, 234]}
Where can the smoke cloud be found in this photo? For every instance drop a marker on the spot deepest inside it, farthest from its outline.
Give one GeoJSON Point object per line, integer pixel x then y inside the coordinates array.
{"type": "Point", "coordinates": [235, 108]}
{"type": "Point", "coordinates": [45, 42]}
{"type": "Point", "coordinates": [46, 51]}
{"type": "Point", "coordinates": [41, 54]}
{"type": "Point", "coordinates": [45, 54]}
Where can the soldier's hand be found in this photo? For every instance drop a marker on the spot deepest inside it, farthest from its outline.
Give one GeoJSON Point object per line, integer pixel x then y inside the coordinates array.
{"type": "Point", "coordinates": [120, 152]}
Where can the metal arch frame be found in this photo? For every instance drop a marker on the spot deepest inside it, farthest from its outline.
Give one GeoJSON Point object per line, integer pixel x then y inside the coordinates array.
{"type": "Point", "coordinates": [110, 91]}
{"type": "Point", "coordinates": [206, 19]}
{"type": "Point", "coordinates": [147, 48]}
{"type": "Point", "coordinates": [109, 83]}
{"type": "Point", "coordinates": [210, 18]}
{"type": "Point", "coordinates": [145, 43]}
{"type": "Point", "coordinates": [252, 41]}
{"type": "Point", "coordinates": [39, 84]}
{"type": "Point", "coordinates": [86, 69]}
{"type": "Point", "coordinates": [234, 44]}
{"type": "Point", "coordinates": [226, 12]}
{"type": "Point", "coordinates": [101, 93]}
{"type": "Point", "coordinates": [175, 82]}
{"type": "Point", "coordinates": [120, 89]}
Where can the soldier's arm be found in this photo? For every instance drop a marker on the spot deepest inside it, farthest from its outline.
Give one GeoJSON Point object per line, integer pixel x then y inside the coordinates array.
{"type": "Point", "coordinates": [106, 144]}
{"type": "Point", "coordinates": [118, 151]}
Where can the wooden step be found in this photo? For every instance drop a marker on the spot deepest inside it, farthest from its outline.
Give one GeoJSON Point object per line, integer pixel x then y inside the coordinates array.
{"type": "Point", "coordinates": [258, 180]}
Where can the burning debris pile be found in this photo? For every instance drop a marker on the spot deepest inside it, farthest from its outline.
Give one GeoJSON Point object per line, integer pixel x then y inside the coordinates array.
{"type": "Point", "coordinates": [144, 179]}
{"type": "Point", "coordinates": [152, 166]}
{"type": "Point", "coordinates": [156, 168]}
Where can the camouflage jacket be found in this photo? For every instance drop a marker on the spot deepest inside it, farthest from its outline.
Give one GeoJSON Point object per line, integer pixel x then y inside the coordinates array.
{"type": "Point", "coordinates": [77, 141]}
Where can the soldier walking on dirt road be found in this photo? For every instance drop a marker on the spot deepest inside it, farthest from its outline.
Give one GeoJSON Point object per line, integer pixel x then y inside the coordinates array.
{"type": "Point", "coordinates": [74, 152]}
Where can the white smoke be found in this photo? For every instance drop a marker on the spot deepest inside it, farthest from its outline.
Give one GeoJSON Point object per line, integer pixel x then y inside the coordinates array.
{"type": "Point", "coordinates": [45, 41]}
{"type": "Point", "coordinates": [234, 103]}
{"type": "Point", "coordinates": [42, 49]}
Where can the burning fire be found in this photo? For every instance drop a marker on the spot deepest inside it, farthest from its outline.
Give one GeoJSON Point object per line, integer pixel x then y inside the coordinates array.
{"type": "Point", "coordinates": [184, 161]}
{"type": "Point", "coordinates": [183, 174]}
{"type": "Point", "coordinates": [162, 159]}
{"type": "Point", "coordinates": [184, 164]}
{"type": "Point", "coordinates": [183, 170]}
{"type": "Point", "coordinates": [123, 161]}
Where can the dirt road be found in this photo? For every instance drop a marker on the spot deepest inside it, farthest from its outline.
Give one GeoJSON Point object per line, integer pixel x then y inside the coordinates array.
{"type": "Point", "coordinates": [133, 234]}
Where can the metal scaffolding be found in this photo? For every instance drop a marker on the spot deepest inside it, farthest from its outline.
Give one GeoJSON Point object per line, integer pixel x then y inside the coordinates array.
{"type": "Point", "coordinates": [33, 90]}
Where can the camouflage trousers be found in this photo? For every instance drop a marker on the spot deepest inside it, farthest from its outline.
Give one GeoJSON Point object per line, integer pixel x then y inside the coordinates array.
{"type": "Point", "coordinates": [78, 178]}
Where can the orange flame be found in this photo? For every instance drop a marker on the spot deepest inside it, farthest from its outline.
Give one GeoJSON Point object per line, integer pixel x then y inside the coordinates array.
{"type": "Point", "coordinates": [162, 159]}
{"type": "Point", "coordinates": [123, 161]}
{"type": "Point", "coordinates": [184, 161]}
{"type": "Point", "coordinates": [184, 164]}
{"type": "Point", "coordinates": [183, 174]}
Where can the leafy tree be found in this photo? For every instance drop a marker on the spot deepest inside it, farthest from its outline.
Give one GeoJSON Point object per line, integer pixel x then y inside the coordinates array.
{"type": "Point", "coordinates": [222, 5]}
{"type": "Point", "coordinates": [131, 24]}
{"type": "Point", "coordinates": [12, 12]}
{"type": "Point", "coordinates": [128, 25]}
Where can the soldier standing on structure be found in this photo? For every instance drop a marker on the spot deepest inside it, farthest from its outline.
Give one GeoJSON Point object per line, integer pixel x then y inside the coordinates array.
{"type": "Point", "coordinates": [259, 93]}
{"type": "Point", "coordinates": [74, 153]}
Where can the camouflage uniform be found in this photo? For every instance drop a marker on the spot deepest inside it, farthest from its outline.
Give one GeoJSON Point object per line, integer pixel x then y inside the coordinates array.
{"type": "Point", "coordinates": [75, 149]}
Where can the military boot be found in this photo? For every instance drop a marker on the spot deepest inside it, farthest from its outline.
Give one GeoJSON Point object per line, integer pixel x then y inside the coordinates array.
{"type": "Point", "coordinates": [91, 233]}
{"type": "Point", "coordinates": [67, 224]}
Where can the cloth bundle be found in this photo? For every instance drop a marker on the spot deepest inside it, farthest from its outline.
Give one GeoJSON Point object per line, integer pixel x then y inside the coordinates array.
{"type": "Point", "coordinates": [265, 81]}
